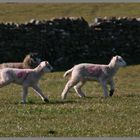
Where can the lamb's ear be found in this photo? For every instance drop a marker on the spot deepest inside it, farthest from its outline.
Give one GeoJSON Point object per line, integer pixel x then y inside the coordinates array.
{"type": "Point", "coordinates": [117, 57]}
{"type": "Point", "coordinates": [43, 64]}
{"type": "Point", "coordinates": [114, 56]}
{"type": "Point", "coordinates": [46, 62]}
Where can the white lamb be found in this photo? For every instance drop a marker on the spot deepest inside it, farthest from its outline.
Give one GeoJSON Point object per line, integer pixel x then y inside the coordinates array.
{"type": "Point", "coordinates": [25, 77]}
{"type": "Point", "coordinates": [86, 72]}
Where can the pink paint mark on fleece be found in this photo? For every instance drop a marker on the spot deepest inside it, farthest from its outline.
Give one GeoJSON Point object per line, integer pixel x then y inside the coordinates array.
{"type": "Point", "coordinates": [95, 70]}
{"type": "Point", "coordinates": [21, 74]}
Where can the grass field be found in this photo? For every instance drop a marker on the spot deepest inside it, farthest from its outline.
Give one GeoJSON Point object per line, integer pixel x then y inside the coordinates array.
{"type": "Point", "coordinates": [91, 116]}
{"type": "Point", "coordinates": [24, 12]}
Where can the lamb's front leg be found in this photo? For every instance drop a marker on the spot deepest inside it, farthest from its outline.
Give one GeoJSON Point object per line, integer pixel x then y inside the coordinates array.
{"type": "Point", "coordinates": [24, 94]}
{"type": "Point", "coordinates": [39, 92]}
{"type": "Point", "coordinates": [112, 87]}
{"type": "Point", "coordinates": [104, 86]}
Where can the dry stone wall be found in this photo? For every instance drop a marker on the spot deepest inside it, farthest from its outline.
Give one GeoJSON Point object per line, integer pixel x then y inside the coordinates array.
{"type": "Point", "coordinates": [67, 41]}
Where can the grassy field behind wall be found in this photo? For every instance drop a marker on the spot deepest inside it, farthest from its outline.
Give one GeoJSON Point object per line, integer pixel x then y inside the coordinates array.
{"type": "Point", "coordinates": [24, 12]}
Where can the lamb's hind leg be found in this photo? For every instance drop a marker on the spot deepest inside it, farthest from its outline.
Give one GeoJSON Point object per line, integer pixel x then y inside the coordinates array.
{"type": "Point", "coordinates": [5, 79]}
{"type": "Point", "coordinates": [78, 88]}
{"type": "Point", "coordinates": [68, 86]}
{"type": "Point", "coordinates": [4, 83]}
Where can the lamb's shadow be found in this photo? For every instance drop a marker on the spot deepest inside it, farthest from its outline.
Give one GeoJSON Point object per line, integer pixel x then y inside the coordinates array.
{"type": "Point", "coordinates": [91, 97]}
{"type": "Point", "coordinates": [52, 102]}
{"type": "Point", "coordinates": [115, 96]}
{"type": "Point", "coordinates": [131, 95]}
{"type": "Point", "coordinates": [63, 102]}
{"type": "Point", "coordinates": [73, 100]}
{"type": "Point", "coordinates": [59, 102]}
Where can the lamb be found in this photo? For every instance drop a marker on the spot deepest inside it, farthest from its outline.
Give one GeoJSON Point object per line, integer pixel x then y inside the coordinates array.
{"type": "Point", "coordinates": [25, 77]}
{"type": "Point", "coordinates": [87, 72]}
{"type": "Point", "coordinates": [30, 61]}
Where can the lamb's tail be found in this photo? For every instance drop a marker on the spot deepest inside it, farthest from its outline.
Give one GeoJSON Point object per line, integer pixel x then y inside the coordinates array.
{"type": "Point", "coordinates": [68, 72]}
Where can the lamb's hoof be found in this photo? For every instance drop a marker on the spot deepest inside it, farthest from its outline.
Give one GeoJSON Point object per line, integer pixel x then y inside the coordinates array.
{"type": "Point", "coordinates": [111, 92]}
{"type": "Point", "coordinates": [63, 97]}
{"type": "Point", "coordinates": [83, 96]}
{"type": "Point", "coordinates": [23, 102]}
{"type": "Point", "coordinates": [46, 100]}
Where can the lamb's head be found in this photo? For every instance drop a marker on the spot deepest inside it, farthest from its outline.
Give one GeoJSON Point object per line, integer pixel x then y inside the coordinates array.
{"type": "Point", "coordinates": [119, 61]}
{"type": "Point", "coordinates": [35, 58]}
{"type": "Point", "coordinates": [31, 60]}
{"type": "Point", "coordinates": [46, 67]}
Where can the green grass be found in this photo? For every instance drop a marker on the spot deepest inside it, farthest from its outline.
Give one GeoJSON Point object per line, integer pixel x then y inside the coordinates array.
{"type": "Point", "coordinates": [24, 12]}
{"type": "Point", "coordinates": [91, 116]}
